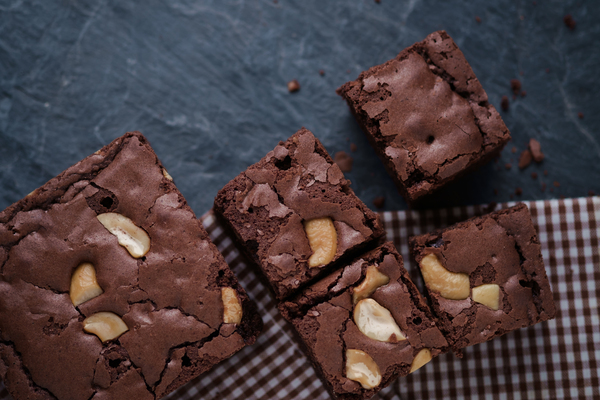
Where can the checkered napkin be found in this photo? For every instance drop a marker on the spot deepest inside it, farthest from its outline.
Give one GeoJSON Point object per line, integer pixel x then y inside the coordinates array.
{"type": "Point", "coordinates": [558, 359]}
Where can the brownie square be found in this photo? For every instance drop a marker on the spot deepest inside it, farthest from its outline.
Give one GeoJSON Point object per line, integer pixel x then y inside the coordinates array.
{"type": "Point", "coordinates": [426, 115]}
{"type": "Point", "coordinates": [156, 303]}
{"type": "Point", "coordinates": [336, 316]}
{"type": "Point", "coordinates": [485, 276]}
{"type": "Point", "coordinates": [268, 205]}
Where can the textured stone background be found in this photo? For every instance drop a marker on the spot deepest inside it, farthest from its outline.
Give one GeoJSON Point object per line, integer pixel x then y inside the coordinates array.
{"type": "Point", "coordinates": [205, 81]}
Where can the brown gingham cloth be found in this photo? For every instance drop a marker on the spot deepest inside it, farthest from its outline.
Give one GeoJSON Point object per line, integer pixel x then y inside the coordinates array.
{"type": "Point", "coordinates": [558, 359]}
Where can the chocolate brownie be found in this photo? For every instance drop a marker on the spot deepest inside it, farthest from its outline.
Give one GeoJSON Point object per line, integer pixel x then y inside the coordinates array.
{"type": "Point", "coordinates": [110, 286]}
{"type": "Point", "coordinates": [294, 214]}
{"type": "Point", "coordinates": [369, 311]}
{"type": "Point", "coordinates": [426, 115]}
{"type": "Point", "coordinates": [485, 276]}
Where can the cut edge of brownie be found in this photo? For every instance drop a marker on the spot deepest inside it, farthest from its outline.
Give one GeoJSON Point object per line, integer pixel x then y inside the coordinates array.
{"type": "Point", "coordinates": [356, 97]}
{"type": "Point", "coordinates": [537, 278]}
{"type": "Point", "coordinates": [63, 188]}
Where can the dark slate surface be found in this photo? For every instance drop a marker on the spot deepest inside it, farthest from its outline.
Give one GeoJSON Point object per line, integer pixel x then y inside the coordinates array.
{"type": "Point", "coordinates": [205, 81]}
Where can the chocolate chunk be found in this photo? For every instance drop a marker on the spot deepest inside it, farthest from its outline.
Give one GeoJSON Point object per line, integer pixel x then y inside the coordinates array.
{"type": "Point", "coordinates": [569, 21]}
{"type": "Point", "coordinates": [293, 86]}
{"type": "Point", "coordinates": [504, 104]}
{"type": "Point", "coordinates": [536, 150]}
{"type": "Point", "coordinates": [518, 191]}
{"type": "Point", "coordinates": [344, 161]}
{"type": "Point", "coordinates": [525, 159]}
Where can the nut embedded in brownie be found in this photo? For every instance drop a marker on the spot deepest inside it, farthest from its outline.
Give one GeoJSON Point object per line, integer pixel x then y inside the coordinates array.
{"type": "Point", "coordinates": [426, 115]}
{"type": "Point", "coordinates": [485, 276]}
{"type": "Point", "coordinates": [295, 215]}
{"type": "Point", "coordinates": [110, 287]}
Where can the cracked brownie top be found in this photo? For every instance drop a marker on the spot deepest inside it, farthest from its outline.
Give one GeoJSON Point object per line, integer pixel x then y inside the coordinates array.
{"type": "Point", "coordinates": [485, 276]}
{"type": "Point", "coordinates": [110, 286]}
{"type": "Point", "coordinates": [426, 114]}
{"type": "Point", "coordinates": [365, 325]}
{"type": "Point", "coordinates": [295, 214]}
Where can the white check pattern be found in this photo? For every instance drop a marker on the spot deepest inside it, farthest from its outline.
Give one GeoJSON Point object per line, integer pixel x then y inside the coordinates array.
{"type": "Point", "coordinates": [558, 359]}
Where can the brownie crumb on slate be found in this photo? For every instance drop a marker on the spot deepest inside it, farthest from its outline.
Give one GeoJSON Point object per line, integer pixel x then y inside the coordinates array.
{"type": "Point", "coordinates": [478, 19]}
{"type": "Point", "coordinates": [504, 103]}
{"type": "Point", "coordinates": [293, 86]}
{"type": "Point", "coordinates": [536, 150]}
{"type": "Point", "coordinates": [508, 165]}
{"type": "Point", "coordinates": [534, 175]}
{"type": "Point", "coordinates": [556, 183]}
{"type": "Point", "coordinates": [580, 115]}
{"type": "Point", "coordinates": [379, 201]}
{"type": "Point", "coordinates": [515, 85]}
{"type": "Point", "coordinates": [499, 282]}
{"type": "Point", "coordinates": [113, 289]}
{"type": "Point", "coordinates": [518, 191]}
{"type": "Point", "coordinates": [591, 193]}
{"type": "Point", "coordinates": [525, 159]}
{"type": "Point", "coordinates": [344, 161]}
{"type": "Point", "coordinates": [569, 21]}
{"type": "Point", "coordinates": [523, 93]}
{"type": "Point", "coordinates": [545, 172]}
{"type": "Point", "coordinates": [454, 128]}
{"type": "Point", "coordinates": [322, 72]}
{"type": "Point", "coordinates": [544, 186]}
{"type": "Point", "coordinates": [513, 150]}
{"type": "Point", "coordinates": [353, 147]}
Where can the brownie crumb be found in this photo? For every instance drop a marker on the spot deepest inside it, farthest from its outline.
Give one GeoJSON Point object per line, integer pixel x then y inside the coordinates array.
{"type": "Point", "coordinates": [569, 21]}
{"type": "Point", "coordinates": [322, 72]}
{"type": "Point", "coordinates": [525, 159]}
{"type": "Point", "coordinates": [545, 172]}
{"type": "Point", "coordinates": [543, 186]}
{"type": "Point", "coordinates": [508, 165]}
{"type": "Point", "coordinates": [580, 115]}
{"type": "Point", "coordinates": [519, 191]}
{"type": "Point", "coordinates": [513, 150]}
{"type": "Point", "coordinates": [504, 103]}
{"type": "Point", "coordinates": [556, 184]}
{"type": "Point", "coordinates": [523, 93]}
{"type": "Point", "coordinates": [379, 201]}
{"type": "Point", "coordinates": [293, 86]}
{"type": "Point", "coordinates": [377, 1]}
{"type": "Point", "coordinates": [353, 147]}
{"type": "Point", "coordinates": [344, 161]}
{"type": "Point", "coordinates": [515, 85]}
{"type": "Point", "coordinates": [591, 193]}
{"type": "Point", "coordinates": [478, 19]}
{"type": "Point", "coordinates": [536, 150]}
{"type": "Point", "coordinates": [534, 175]}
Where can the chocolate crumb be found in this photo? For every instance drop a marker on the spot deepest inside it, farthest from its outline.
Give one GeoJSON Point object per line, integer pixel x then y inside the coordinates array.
{"type": "Point", "coordinates": [504, 103]}
{"type": "Point", "coordinates": [478, 19]}
{"type": "Point", "coordinates": [545, 172]}
{"type": "Point", "coordinates": [377, 1]}
{"type": "Point", "coordinates": [536, 150]}
{"type": "Point", "coordinates": [534, 175]}
{"type": "Point", "coordinates": [515, 85]}
{"type": "Point", "coordinates": [343, 160]}
{"type": "Point", "coordinates": [293, 86]}
{"type": "Point", "coordinates": [591, 193]}
{"type": "Point", "coordinates": [508, 165]}
{"type": "Point", "coordinates": [580, 115]}
{"type": "Point", "coordinates": [543, 186]}
{"type": "Point", "coordinates": [569, 21]}
{"type": "Point", "coordinates": [322, 72]}
{"type": "Point", "coordinates": [513, 150]}
{"type": "Point", "coordinates": [379, 201]}
{"type": "Point", "coordinates": [353, 147]}
{"type": "Point", "coordinates": [519, 191]}
{"type": "Point", "coordinates": [525, 159]}
{"type": "Point", "coordinates": [556, 184]}
{"type": "Point", "coordinates": [523, 93]}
